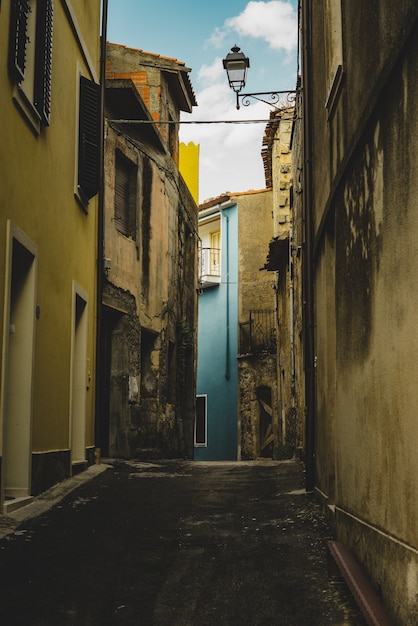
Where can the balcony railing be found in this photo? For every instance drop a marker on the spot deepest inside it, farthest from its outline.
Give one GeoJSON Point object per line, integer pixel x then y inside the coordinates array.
{"type": "Point", "coordinates": [258, 335]}
{"type": "Point", "coordinates": [209, 266]}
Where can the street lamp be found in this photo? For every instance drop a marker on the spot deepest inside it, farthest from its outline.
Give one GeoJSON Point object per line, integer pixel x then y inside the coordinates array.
{"type": "Point", "coordinates": [236, 64]}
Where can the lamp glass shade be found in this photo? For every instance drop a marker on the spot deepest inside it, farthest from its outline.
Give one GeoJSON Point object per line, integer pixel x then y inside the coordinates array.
{"type": "Point", "coordinates": [236, 65]}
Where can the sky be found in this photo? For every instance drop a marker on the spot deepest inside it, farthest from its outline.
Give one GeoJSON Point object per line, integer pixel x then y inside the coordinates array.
{"type": "Point", "coordinates": [201, 34]}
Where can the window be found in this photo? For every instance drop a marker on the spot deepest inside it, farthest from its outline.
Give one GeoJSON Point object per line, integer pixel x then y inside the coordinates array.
{"type": "Point", "coordinates": [125, 195]}
{"type": "Point", "coordinates": [30, 56]}
{"type": "Point", "coordinates": [334, 50]}
{"type": "Point", "coordinates": [173, 140]}
{"type": "Point", "coordinates": [88, 139]}
{"type": "Point", "coordinates": [200, 431]}
{"type": "Point", "coordinates": [215, 252]}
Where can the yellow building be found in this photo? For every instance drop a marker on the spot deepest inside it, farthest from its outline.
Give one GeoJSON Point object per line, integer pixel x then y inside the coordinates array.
{"type": "Point", "coordinates": [189, 167]}
{"type": "Point", "coordinates": [49, 178]}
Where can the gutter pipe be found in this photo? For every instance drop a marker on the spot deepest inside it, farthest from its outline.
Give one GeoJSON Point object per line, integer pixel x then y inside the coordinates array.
{"type": "Point", "coordinates": [227, 349]}
{"type": "Point", "coordinates": [308, 330]}
{"type": "Point", "coordinates": [100, 235]}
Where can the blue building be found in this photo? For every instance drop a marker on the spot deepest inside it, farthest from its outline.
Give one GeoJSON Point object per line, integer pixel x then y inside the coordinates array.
{"type": "Point", "coordinates": [216, 431]}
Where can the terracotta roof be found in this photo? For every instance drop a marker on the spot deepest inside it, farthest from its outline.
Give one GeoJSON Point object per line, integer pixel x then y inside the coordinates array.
{"type": "Point", "coordinates": [227, 196]}
{"type": "Point", "coordinates": [153, 54]}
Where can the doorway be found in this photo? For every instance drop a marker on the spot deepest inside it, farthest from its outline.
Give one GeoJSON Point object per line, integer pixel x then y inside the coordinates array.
{"type": "Point", "coordinates": [18, 363]}
{"type": "Point", "coordinates": [265, 422]}
{"type": "Point", "coordinates": [79, 378]}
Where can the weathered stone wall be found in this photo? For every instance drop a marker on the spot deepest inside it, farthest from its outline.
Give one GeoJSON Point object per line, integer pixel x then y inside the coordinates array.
{"type": "Point", "coordinates": [252, 375]}
{"type": "Point", "coordinates": [296, 243]}
{"type": "Point", "coordinates": [258, 404]}
{"type": "Point", "coordinates": [150, 285]}
{"type": "Point", "coordinates": [365, 192]}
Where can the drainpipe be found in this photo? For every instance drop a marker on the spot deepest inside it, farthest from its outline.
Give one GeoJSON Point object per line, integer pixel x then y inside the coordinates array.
{"type": "Point", "coordinates": [100, 234]}
{"type": "Point", "coordinates": [308, 256]}
{"type": "Point", "coordinates": [227, 350]}
{"type": "Point", "coordinates": [291, 311]}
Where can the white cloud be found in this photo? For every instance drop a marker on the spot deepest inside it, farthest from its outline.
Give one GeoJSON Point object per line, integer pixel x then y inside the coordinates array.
{"type": "Point", "coordinates": [229, 153]}
{"type": "Point", "coordinates": [274, 22]}
{"type": "Point", "coordinates": [217, 38]}
{"type": "Point", "coordinates": [211, 72]}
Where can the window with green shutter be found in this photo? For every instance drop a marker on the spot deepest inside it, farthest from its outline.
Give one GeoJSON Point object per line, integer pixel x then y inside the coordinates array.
{"type": "Point", "coordinates": [88, 139]}
{"type": "Point", "coordinates": [19, 12]}
{"type": "Point", "coordinates": [43, 59]}
{"type": "Point", "coordinates": [30, 54]}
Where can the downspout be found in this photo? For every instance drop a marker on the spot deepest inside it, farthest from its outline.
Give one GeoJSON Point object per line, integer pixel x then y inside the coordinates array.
{"type": "Point", "coordinates": [291, 311]}
{"type": "Point", "coordinates": [100, 234]}
{"type": "Point", "coordinates": [308, 256]}
{"type": "Point", "coordinates": [227, 349]}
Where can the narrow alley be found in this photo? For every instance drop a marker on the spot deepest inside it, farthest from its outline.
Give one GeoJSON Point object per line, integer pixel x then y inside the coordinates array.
{"type": "Point", "coordinates": [172, 543]}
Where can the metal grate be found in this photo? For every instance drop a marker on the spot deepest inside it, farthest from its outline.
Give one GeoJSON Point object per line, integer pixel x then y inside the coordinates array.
{"type": "Point", "coordinates": [258, 335]}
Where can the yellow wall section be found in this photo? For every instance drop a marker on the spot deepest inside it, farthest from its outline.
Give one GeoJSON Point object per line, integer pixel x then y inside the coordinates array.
{"type": "Point", "coordinates": [189, 167]}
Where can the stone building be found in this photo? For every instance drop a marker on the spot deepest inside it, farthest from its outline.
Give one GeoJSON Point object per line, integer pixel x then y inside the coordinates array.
{"type": "Point", "coordinates": [259, 404]}
{"type": "Point", "coordinates": [284, 262]}
{"type": "Point", "coordinates": [360, 199]}
{"type": "Point", "coordinates": [149, 282]}
{"type": "Point", "coordinates": [49, 180]}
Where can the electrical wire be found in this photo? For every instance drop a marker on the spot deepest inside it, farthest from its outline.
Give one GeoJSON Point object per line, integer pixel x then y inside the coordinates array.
{"type": "Point", "coordinates": [157, 123]}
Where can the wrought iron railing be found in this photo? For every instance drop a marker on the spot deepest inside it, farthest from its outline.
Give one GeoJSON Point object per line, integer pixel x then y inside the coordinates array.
{"type": "Point", "coordinates": [209, 262]}
{"type": "Point", "coordinates": [258, 335]}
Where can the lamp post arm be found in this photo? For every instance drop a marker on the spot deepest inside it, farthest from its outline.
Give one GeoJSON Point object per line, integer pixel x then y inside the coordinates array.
{"type": "Point", "coordinates": [275, 98]}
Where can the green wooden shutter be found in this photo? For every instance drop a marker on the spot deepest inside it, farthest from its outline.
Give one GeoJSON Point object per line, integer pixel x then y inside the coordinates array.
{"type": "Point", "coordinates": [43, 61]}
{"type": "Point", "coordinates": [19, 10]}
{"type": "Point", "coordinates": [89, 138]}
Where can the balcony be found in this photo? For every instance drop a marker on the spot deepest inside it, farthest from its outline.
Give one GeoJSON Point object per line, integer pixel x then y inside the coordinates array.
{"type": "Point", "coordinates": [258, 335]}
{"type": "Point", "coordinates": [209, 267]}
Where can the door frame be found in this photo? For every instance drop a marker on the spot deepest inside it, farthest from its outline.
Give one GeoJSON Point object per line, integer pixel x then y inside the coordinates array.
{"type": "Point", "coordinates": [27, 309]}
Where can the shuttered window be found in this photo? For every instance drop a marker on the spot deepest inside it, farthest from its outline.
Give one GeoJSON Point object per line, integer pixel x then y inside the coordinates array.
{"type": "Point", "coordinates": [30, 52]}
{"type": "Point", "coordinates": [89, 139]}
{"type": "Point", "coordinates": [43, 60]}
{"type": "Point", "coordinates": [125, 195]}
{"type": "Point", "coordinates": [19, 11]}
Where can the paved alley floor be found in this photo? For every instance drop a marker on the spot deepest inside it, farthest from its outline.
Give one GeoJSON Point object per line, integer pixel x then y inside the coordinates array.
{"type": "Point", "coordinates": [174, 543]}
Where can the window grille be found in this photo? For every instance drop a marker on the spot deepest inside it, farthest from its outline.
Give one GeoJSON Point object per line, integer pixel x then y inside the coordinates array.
{"type": "Point", "coordinates": [258, 335]}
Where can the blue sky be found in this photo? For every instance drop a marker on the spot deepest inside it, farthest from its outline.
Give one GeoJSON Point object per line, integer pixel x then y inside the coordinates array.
{"type": "Point", "coordinates": [200, 35]}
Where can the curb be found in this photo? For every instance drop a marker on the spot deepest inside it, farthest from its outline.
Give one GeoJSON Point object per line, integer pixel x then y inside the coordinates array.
{"type": "Point", "coordinates": [46, 500]}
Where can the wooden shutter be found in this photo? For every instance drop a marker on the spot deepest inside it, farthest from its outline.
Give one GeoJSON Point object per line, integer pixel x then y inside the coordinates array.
{"type": "Point", "coordinates": [19, 10]}
{"type": "Point", "coordinates": [89, 138]}
{"type": "Point", "coordinates": [122, 192]}
{"type": "Point", "coordinates": [43, 61]}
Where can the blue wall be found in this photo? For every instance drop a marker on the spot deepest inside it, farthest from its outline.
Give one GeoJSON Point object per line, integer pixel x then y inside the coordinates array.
{"type": "Point", "coordinates": [217, 371]}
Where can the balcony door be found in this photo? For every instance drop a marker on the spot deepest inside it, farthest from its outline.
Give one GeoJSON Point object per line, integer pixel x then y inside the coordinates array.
{"type": "Point", "coordinates": [215, 253]}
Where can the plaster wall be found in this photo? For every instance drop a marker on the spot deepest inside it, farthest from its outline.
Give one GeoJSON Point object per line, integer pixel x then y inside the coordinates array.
{"type": "Point", "coordinates": [37, 184]}
{"type": "Point", "coordinates": [189, 167]}
{"type": "Point", "coordinates": [255, 228]}
{"type": "Point", "coordinates": [256, 292]}
{"type": "Point", "coordinates": [365, 203]}
{"type": "Point", "coordinates": [217, 372]}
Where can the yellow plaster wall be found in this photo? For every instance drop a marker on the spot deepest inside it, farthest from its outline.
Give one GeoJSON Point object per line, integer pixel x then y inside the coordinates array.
{"type": "Point", "coordinates": [189, 167]}
{"type": "Point", "coordinates": [37, 182]}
